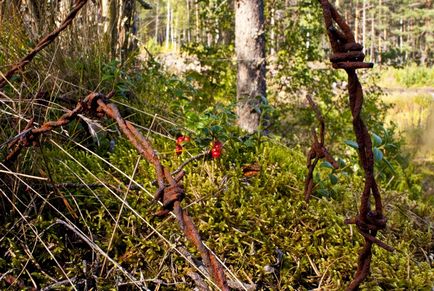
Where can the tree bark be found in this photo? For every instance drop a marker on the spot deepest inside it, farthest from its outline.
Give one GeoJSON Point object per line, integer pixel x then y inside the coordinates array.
{"type": "Point", "coordinates": [113, 28]}
{"type": "Point", "coordinates": [168, 24]}
{"type": "Point", "coordinates": [126, 15]}
{"type": "Point", "coordinates": [157, 22]}
{"type": "Point", "coordinates": [250, 51]}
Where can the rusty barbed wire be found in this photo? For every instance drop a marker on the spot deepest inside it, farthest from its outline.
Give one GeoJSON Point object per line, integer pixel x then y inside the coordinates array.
{"type": "Point", "coordinates": [348, 55]}
{"type": "Point", "coordinates": [49, 38]}
{"type": "Point", "coordinates": [317, 151]}
{"type": "Point", "coordinates": [170, 191]}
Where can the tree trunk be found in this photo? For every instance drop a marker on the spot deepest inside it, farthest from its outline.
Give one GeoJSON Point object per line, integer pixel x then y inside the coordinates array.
{"type": "Point", "coordinates": [188, 29]}
{"type": "Point", "coordinates": [125, 24]}
{"type": "Point", "coordinates": [157, 22]}
{"type": "Point", "coordinates": [113, 29]}
{"type": "Point", "coordinates": [250, 50]}
{"type": "Point", "coordinates": [168, 24]}
{"type": "Point", "coordinates": [356, 22]}
{"type": "Point", "coordinates": [105, 12]}
{"type": "Point", "coordinates": [364, 26]}
{"type": "Point", "coordinates": [380, 48]}
{"type": "Point", "coordinates": [197, 26]}
{"type": "Point", "coordinates": [371, 53]}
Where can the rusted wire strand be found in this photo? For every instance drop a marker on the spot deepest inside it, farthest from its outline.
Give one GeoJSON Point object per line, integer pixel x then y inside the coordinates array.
{"type": "Point", "coordinates": [170, 192]}
{"type": "Point", "coordinates": [49, 38]}
{"type": "Point", "coordinates": [347, 55]}
{"type": "Point", "coordinates": [317, 151]}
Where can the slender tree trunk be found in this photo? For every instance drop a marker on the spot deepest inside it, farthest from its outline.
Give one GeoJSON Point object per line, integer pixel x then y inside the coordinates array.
{"type": "Point", "coordinates": [126, 14]}
{"type": "Point", "coordinates": [401, 28]}
{"type": "Point", "coordinates": [272, 32]}
{"type": "Point", "coordinates": [113, 28]}
{"type": "Point", "coordinates": [168, 24]}
{"type": "Point", "coordinates": [250, 51]}
{"type": "Point", "coordinates": [371, 53]}
{"type": "Point", "coordinates": [364, 26]}
{"type": "Point", "coordinates": [188, 29]}
{"type": "Point", "coordinates": [175, 32]}
{"type": "Point", "coordinates": [157, 21]}
{"type": "Point", "coordinates": [380, 49]}
{"type": "Point", "coordinates": [356, 21]}
{"type": "Point", "coordinates": [197, 26]}
{"type": "Point", "coordinates": [105, 13]}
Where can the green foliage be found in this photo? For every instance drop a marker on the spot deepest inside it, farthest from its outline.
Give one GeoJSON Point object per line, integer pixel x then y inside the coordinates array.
{"type": "Point", "coordinates": [409, 76]}
{"type": "Point", "coordinates": [216, 73]}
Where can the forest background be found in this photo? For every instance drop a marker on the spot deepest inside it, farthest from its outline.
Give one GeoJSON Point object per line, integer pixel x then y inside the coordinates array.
{"type": "Point", "coordinates": [172, 67]}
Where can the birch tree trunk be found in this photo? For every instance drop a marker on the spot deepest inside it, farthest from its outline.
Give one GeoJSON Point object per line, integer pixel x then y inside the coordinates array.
{"type": "Point", "coordinates": [157, 22]}
{"type": "Point", "coordinates": [250, 51]}
{"type": "Point", "coordinates": [168, 24]}
{"type": "Point", "coordinates": [105, 12]}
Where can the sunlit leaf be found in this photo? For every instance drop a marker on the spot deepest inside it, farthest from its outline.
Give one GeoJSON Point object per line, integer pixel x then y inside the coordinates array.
{"type": "Point", "coordinates": [378, 154]}
{"type": "Point", "coordinates": [376, 140]}
{"type": "Point", "coordinates": [352, 144]}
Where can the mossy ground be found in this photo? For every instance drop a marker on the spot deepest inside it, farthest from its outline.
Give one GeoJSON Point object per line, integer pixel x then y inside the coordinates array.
{"type": "Point", "coordinates": [259, 226]}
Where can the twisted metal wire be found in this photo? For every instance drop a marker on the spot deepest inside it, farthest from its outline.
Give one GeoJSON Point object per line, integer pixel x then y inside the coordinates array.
{"type": "Point", "coordinates": [348, 55]}
{"type": "Point", "coordinates": [170, 192]}
{"type": "Point", "coordinates": [317, 151]}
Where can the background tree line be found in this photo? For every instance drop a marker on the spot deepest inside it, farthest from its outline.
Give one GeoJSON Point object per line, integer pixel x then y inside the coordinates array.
{"type": "Point", "coordinates": [393, 32]}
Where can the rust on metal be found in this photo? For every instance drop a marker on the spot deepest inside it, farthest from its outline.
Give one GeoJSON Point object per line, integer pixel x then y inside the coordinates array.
{"type": "Point", "coordinates": [347, 55]}
{"type": "Point", "coordinates": [170, 191]}
{"type": "Point", "coordinates": [317, 151]}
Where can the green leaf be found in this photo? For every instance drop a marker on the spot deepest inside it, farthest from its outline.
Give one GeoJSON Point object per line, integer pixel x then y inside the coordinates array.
{"type": "Point", "coordinates": [376, 140]}
{"type": "Point", "coordinates": [341, 163]}
{"type": "Point", "coordinates": [326, 164]}
{"type": "Point", "coordinates": [352, 144]}
{"type": "Point", "coordinates": [378, 154]}
{"type": "Point", "coordinates": [333, 179]}
{"type": "Point", "coordinates": [323, 192]}
{"type": "Point", "coordinates": [216, 129]}
{"type": "Point", "coordinates": [389, 165]}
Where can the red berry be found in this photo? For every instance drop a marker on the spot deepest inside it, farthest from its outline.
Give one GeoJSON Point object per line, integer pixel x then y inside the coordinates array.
{"type": "Point", "coordinates": [215, 153]}
{"type": "Point", "coordinates": [217, 144]}
{"type": "Point", "coordinates": [178, 149]}
{"type": "Point", "coordinates": [186, 138]}
{"type": "Point", "coordinates": [180, 139]}
{"type": "Point", "coordinates": [216, 150]}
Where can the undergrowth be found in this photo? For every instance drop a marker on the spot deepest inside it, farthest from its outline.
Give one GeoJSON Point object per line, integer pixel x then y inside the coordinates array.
{"type": "Point", "coordinates": [255, 221]}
